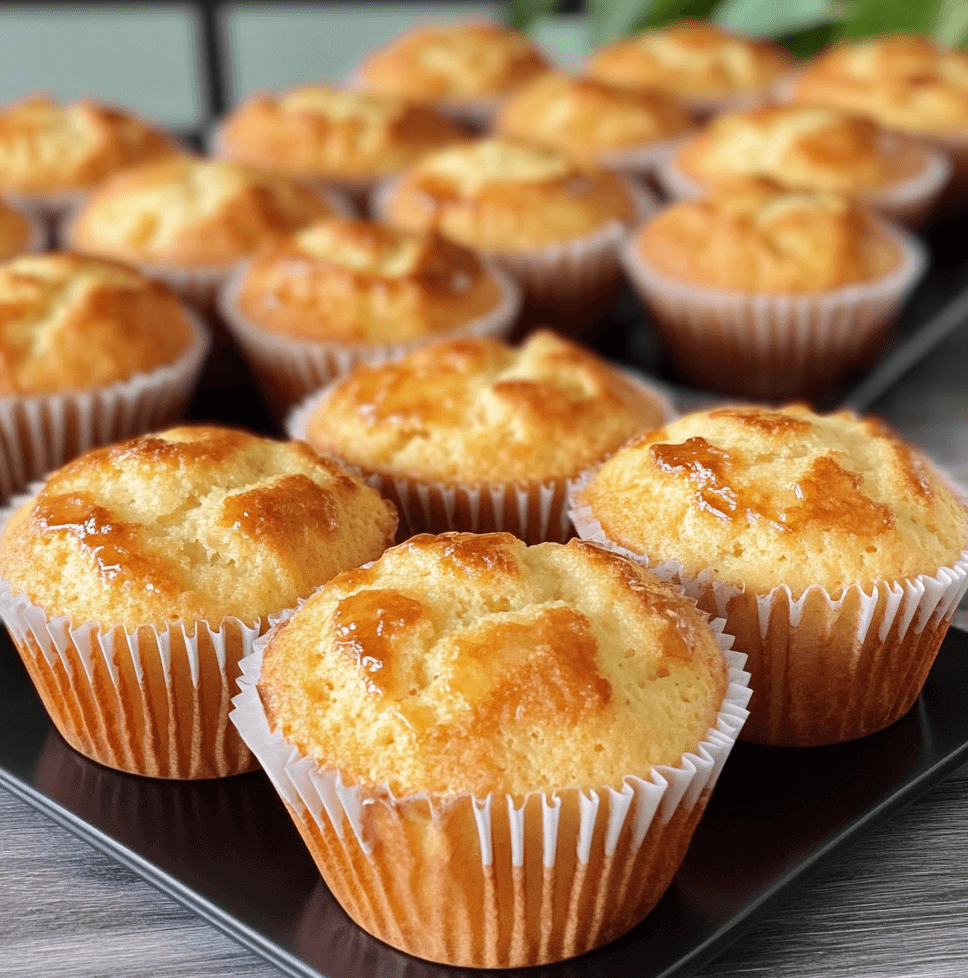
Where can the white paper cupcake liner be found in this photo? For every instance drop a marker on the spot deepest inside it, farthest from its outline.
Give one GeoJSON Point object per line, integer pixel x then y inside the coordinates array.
{"type": "Point", "coordinates": [774, 346]}
{"type": "Point", "coordinates": [290, 368]}
{"type": "Point", "coordinates": [526, 881]}
{"type": "Point", "coordinates": [534, 511]}
{"type": "Point", "coordinates": [825, 669]}
{"type": "Point", "coordinates": [40, 432]}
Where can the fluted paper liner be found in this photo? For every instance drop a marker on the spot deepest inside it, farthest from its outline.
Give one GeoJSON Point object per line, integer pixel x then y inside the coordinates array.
{"type": "Point", "coordinates": [775, 346]}
{"type": "Point", "coordinates": [40, 432]}
{"type": "Point", "coordinates": [292, 368]}
{"type": "Point", "coordinates": [535, 511]}
{"type": "Point", "coordinates": [496, 881]}
{"type": "Point", "coordinates": [825, 669]}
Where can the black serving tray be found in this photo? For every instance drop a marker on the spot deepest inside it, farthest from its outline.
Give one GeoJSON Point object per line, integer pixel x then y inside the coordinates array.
{"type": "Point", "coordinates": [228, 850]}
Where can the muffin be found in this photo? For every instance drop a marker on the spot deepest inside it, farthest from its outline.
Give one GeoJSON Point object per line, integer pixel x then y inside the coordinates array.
{"type": "Point", "coordinates": [811, 148]}
{"type": "Point", "coordinates": [331, 136]}
{"type": "Point", "coordinates": [706, 67]}
{"type": "Point", "coordinates": [52, 156]}
{"type": "Point", "coordinates": [189, 222]}
{"type": "Point", "coordinates": [464, 69]}
{"type": "Point", "coordinates": [525, 736]}
{"type": "Point", "coordinates": [20, 232]}
{"type": "Point", "coordinates": [475, 435]}
{"type": "Point", "coordinates": [836, 553]}
{"type": "Point", "coordinates": [90, 352]}
{"type": "Point", "coordinates": [771, 293]}
{"type": "Point", "coordinates": [902, 81]}
{"type": "Point", "coordinates": [552, 222]}
{"type": "Point", "coordinates": [306, 308]}
{"type": "Point", "coordinates": [139, 574]}
{"type": "Point", "coordinates": [618, 128]}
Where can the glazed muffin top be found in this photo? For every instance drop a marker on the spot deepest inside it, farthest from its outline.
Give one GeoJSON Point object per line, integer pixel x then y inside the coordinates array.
{"type": "Point", "coordinates": [476, 410]}
{"type": "Point", "coordinates": [692, 59]}
{"type": "Point", "coordinates": [800, 146]}
{"type": "Point", "coordinates": [195, 523]}
{"type": "Point", "coordinates": [320, 132]}
{"type": "Point", "coordinates": [70, 323]}
{"type": "Point", "coordinates": [753, 236]}
{"type": "Point", "coordinates": [466, 663]}
{"type": "Point", "coordinates": [442, 61]}
{"type": "Point", "coordinates": [760, 497]}
{"type": "Point", "coordinates": [505, 195]}
{"type": "Point", "coordinates": [46, 148]}
{"type": "Point", "coordinates": [586, 117]}
{"type": "Point", "coordinates": [16, 232]}
{"type": "Point", "coordinates": [356, 281]}
{"type": "Point", "coordinates": [902, 81]}
{"type": "Point", "coordinates": [191, 212]}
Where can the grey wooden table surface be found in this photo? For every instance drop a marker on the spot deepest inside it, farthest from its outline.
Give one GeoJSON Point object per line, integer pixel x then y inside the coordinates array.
{"type": "Point", "coordinates": [893, 904]}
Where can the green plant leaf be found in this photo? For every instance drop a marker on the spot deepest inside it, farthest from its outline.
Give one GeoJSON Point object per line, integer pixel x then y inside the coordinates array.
{"type": "Point", "coordinates": [608, 19]}
{"type": "Point", "coordinates": [869, 18]}
{"type": "Point", "coordinates": [663, 12]}
{"type": "Point", "coordinates": [522, 14]}
{"type": "Point", "coordinates": [804, 44]}
{"type": "Point", "coordinates": [774, 18]}
{"type": "Point", "coordinates": [950, 25]}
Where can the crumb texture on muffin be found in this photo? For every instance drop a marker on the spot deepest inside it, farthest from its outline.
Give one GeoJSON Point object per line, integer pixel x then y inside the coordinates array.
{"type": "Point", "coordinates": [764, 497]}
{"type": "Point", "coordinates": [476, 410]}
{"type": "Point", "coordinates": [357, 281]}
{"type": "Point", "coordinates": [196, 523]}
{"type": "Point", "coordinates": [504, 194]}
{"type": "Point", "coordinates": [69, 323]}
{"type": "Point", "coordinates": [755, 236]}
{"type": "Point", "coordinates": [191, 212]}
{"type": "Point", "coordinates": [47, 148]}
{"type": "Point", "coordinates": [319, 131]}
{"type": "Point", "coordinates": [472, 663]}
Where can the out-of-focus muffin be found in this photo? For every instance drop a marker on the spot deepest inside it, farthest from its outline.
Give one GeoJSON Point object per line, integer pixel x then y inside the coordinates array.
{"type": "Point", "coordinates": [90, 352]}
{"type": "Point", "coordinates": [161, 559]}
{"type": "Point", "coordinates": [705, 66]}
{"type": "Point", "coordinates": [20, 231]}
{"type": "Point", "coordinates": [768, 292]}
{"type": "Point", "coordinates": [835, 551]}
{"type": "Point", "coordinates": [307, 308]}
{"type": "Point", "coordinates": [476, 435]}
{"type": "Point", "coordinates": [811, 148]}
{"type": "Point", "coordinates": [465, 692]}
{"type": "Point", "coordinates": [462, 68]}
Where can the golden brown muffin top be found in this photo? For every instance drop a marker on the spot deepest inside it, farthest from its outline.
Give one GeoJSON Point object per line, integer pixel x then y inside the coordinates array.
{"type": "Point", "coordinates": [586, 117]}
{"type": "Point", "coordinates": [69, 323]}
{"type": "Point", "coordinates": [319, 131]}
{"type": "Point", "coordinates": [691, 59]}
{"type": "Point", "coordinates": [195, 523]}
{"type": "Point", "coordinates": [902, 81]}
{"type": "Point", "coordinates": [191, 212]}
{"type": "Point", "coordinates": [49, 148]}
{"type": "Point", "coordinates": [476, 410]}
{"type": "Point", "coordinates": [753, 236]}
{"type": "Point", "coordinates": [800, 146]}
{"type": "Point", "coordinates": [356, 281]}
{"type": "Point", "coordinates": [505, 195]}
{"type": "Point", "coordinates": [474, 664]}
{"type": "Point", "coordinates": [460, 60]}
{"type": "Point", "coordinates": [765, 497]}
{"type": "Point", "coordinates": [15, 232]}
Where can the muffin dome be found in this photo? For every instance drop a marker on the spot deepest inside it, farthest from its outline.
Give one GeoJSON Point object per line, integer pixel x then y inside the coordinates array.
{"type": "Point", "coordinates": [191, 524]}
{"type": "Point", "coordinates": [463, 663]}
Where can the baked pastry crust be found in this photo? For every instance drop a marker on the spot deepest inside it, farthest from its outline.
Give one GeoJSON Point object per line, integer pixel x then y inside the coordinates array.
{"type": "Point", "coordinates": [692, 59]}
{"type": "Point", "coordinates": [69, 323]}
{"type": "Point", "coordinates": [460, 60]}
{"type": "Point", "coordinates": [476, 410]}
{"type": "Point", "coordinates": [191, 212]}
{"type": "Point", "coordinates": [356, 281]}
{"type": "Point", "coordinates": [587, 117]}
{"type": "Point", "coordinates": [15, 232]}
{"type": "Point", "coordinates": [466, 663]}
{"type": "Point", "coordinates": [903, 81]}
{"type": "Point", "coordinates": [48, 148]}
{"type": "Point", "coordinates": [753, 236]}
{"type": "Point", "coordinates": [320, 131]}
{"type": "Point", "coordinates": [193, 524]}
{"type": "Point", "coordinates": [505, 195]}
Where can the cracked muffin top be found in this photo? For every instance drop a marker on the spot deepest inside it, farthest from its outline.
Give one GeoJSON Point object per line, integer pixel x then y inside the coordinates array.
{"type": "Point", "coordinates": [195, 523]}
